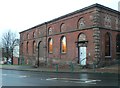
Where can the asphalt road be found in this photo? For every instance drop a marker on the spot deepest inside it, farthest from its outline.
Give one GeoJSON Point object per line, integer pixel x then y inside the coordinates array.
{"type": "Point", "coordinates": [27, 78]}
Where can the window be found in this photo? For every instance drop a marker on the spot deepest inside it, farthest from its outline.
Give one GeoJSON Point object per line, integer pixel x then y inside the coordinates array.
{"type": "Point", "coordinates": [39, 32]}
{"type": "Point", "coordinates": [27, 46]}
{"type": "Point", "coordinates": [21, 49]}
{"type": "Point", "coordinates": [81, 23]}
{"type": "Point", "coordinates": [118, 43]}
{"type": "Point", "coordinates": [82, 37]}
{"type": "Point", "coordinates": [28, 36]}
{"type": "Point", "coordinates": [50, 31]}
{"type": "Point", "coordinates": [63, 45]}
{"type": "Point", "coordinates": [116, 23]}
{"type": "Point", "coordinates": [50, 45]}
{"type": "Point", "coordinates": [34, 46]}
{"type": "Point", "coordinates": [62, 27]}
{"type": "Point", "coordinates": [33, 34]}
{"type": "Point", "coordinates": [107, 45]}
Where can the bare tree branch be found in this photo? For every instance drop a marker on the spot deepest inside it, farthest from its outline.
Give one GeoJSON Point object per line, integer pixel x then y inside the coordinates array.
{"type": "Point", "coordinates": [9, 41]}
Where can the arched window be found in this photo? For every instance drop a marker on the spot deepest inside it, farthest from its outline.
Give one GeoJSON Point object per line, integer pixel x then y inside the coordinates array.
{"type": "Point", "coordinates": [34, 46]}
{"type": "Point", "coordinates": [116, 23]}
{"type": "Point", "coordinates": [107, 45]}
{"type": "Point", "coordinates": [118, 43]}
{"type": "Point", "coordinates": [27, 47]}
{"type": "Point", "coordinates": [49, 31]}
{"type": "Point", "coordinates": [82, 40]}
{"type": "Point", "coordinates": [82, 37]}
{"type": "Point", "coordinates": [28, 36]}
{"type": "Point", "coordinates": [34, 35]}
{"type": "Point", "coordinates": [81, 23]}
{"type": "Point", "coordinates": [39, 33]}
{"type": "Point", "coordinates": [63, 44]}
{"type": "Point", "coordinates": [22, 48]}
{"type": "Point", "coordinates": [62, 27]}
{"type": "Point", "coordinates": [50, 45]}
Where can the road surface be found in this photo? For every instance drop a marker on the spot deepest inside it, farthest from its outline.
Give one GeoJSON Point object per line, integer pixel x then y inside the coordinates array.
{"type": "Point", "coordinates": [28, 78]}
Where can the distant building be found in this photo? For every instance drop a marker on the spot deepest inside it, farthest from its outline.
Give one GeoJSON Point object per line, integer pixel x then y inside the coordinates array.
{"type": "Point", "coordinates": [0, 54]}
{"type": "Point", "coordinates": [86, 36]}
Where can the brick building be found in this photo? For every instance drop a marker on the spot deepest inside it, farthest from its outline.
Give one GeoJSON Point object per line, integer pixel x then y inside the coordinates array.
{"type": "Point", "coordinates": [88, 35]}
{"type": "Point", "coordinates": [1, 54]}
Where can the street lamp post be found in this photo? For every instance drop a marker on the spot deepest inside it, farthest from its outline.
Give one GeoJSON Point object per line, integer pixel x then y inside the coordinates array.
{"type": "Point", "coordinates": [11, 56]}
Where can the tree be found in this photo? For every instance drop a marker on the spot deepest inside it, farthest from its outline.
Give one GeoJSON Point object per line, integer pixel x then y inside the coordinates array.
{"type": "Point", "coordinates": [9, 41]}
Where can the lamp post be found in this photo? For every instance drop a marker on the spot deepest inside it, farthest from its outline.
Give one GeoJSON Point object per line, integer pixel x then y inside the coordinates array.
{"type": "Point", "coordinates": [7, 55]}
{"type": "Point", "coordinates": [11, 56]}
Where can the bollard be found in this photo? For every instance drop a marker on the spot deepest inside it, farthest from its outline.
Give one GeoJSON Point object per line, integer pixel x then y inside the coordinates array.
{"type": "Point", "coordinates": [22, 60]}
{"type": "Point", "coordinates": [93, 66]}
{"type": "Point", "coordinates": [72, 67]}
{"type": "Point", "coordinates": [56, 67]}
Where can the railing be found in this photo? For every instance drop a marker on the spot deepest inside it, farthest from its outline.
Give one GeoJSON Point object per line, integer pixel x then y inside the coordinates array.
{"type": "Point", "coordinates": [94, 64]}
{"type": "Point", "coordinates": [82, 59]}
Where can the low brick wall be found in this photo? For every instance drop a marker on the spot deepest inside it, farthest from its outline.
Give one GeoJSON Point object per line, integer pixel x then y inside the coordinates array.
{"type": "Point", "coordinates": [15, 60]}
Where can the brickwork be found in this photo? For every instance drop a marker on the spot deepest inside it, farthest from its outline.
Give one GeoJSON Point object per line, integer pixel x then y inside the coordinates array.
{"type": "Point", "coordinates": [93, 21]}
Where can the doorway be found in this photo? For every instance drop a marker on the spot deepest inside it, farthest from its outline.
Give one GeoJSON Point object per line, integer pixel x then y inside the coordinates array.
{"type": "Point", "coordinates": [82, 56]}
{"type": "Point", "coordinates": [82, 45]}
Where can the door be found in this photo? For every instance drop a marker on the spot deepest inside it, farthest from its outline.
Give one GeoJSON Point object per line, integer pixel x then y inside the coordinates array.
{"type": "Point", "coordinates": [82, 55]}
{"type": "Point", "coordinates": [40, 50]}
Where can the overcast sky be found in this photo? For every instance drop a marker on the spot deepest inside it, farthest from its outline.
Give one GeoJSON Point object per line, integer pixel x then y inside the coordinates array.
{"type": "Point", "coordinates": [19, 15]}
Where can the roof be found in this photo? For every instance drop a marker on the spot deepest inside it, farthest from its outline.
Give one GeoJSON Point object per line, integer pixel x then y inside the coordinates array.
{"type": "Point", "coordinates": [75, 12]}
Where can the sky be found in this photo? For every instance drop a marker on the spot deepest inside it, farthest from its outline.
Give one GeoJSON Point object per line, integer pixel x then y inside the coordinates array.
{"type": "Point", "coordinates": [19, 15]}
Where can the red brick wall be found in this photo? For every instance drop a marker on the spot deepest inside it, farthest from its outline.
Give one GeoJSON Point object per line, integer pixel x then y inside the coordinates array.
{"type": "Point", "coordinates": [15, 60]}
{"type": "Point", "coordinates": [72, 49]}
{"type": "Point", "coordinates": [93, 18]}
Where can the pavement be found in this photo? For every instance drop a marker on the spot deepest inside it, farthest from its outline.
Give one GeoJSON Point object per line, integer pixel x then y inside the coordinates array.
{"type": "Point", "coordinates": [108, 69]}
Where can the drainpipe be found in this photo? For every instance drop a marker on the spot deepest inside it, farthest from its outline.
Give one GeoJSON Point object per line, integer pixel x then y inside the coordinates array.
{"type": "Point", "coordinates": [38, 47]}
{"type": "Point", "coordinates": [38, 55]}
{"type": "Point", "coordinates": [46, 45]}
